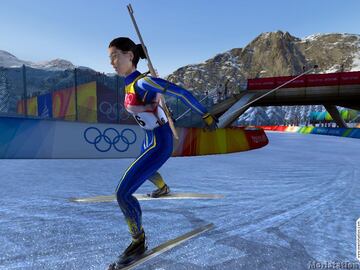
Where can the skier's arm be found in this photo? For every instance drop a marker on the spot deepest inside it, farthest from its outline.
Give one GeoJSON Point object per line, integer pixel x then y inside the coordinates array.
{"type": "Point", "coordinates": [158, 85]}
{"type": "Point", "coordinates": [148, 87]}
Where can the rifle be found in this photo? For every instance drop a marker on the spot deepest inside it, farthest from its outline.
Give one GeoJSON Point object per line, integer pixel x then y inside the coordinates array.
{"type": "Point", "coordinates": [153, 73]}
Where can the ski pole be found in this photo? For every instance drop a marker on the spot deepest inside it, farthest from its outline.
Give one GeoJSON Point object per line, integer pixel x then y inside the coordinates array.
{"type": "Point", "coordinates": [153, 72]}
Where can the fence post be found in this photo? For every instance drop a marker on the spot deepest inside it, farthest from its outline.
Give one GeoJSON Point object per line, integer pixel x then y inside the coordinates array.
{"type": "Point", "coordinates": [117, 100]}
{"type": "Point", "coordinates": [25, 90]}
{"type": "Point", "coordinates": [177, 107]}
{"type": "Point", "coordinates": [76, 99]}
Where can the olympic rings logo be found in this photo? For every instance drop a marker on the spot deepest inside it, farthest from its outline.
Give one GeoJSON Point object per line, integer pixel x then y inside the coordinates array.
{"type": "Point", "coordinates": [121, 141]}
{"type": "Point", "coordinates": [110, 110]}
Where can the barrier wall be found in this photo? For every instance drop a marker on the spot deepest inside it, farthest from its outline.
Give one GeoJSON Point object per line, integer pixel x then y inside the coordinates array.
{"type": "Point", "coordinates": [196, 141]}
{"type": "Point", "coordinates": [36, 138]}
{"type": "Point", "coordinates": [342, 132]}
{"type": "Point", "coordinates": [39, 138]}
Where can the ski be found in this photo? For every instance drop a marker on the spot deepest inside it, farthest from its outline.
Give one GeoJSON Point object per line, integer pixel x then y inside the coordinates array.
{"type": "Point", "coordinates": [146, 197]}
{"type": "Point", "coordinates": [164, 247]}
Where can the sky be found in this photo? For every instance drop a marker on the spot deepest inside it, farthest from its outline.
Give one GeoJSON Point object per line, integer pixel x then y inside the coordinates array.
{"type": "Point", "coordinates": [176, 33]}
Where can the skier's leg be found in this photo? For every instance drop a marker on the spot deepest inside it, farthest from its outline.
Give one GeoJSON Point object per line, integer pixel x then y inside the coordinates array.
{"type": "Point", "coordinates": [158, 181]}
{"type": "Point", "coordinates": [142, 168]}
{"type": "Point", "coordinates": [156, 178]}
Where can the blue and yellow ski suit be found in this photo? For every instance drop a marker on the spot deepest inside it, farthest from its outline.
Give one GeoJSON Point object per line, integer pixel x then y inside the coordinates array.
{"type": "Point", "coordinates": [141, 100]}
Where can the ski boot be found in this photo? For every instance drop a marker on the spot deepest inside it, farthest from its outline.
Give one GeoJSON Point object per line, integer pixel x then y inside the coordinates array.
{"type": "Point", "coordinates": [160, 192]}
{"type": "Point", "coordinates": [134, 250]}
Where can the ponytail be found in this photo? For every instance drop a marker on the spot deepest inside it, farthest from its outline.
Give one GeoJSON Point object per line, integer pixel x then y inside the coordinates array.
{"type": "Point", "coordinates": [140, 51]}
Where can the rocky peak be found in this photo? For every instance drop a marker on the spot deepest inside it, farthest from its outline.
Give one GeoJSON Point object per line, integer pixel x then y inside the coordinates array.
{"type": "Point", "coordinates": [271, 54]}
{"type": "Point", "coordinates": [56, 64]}
{"type": "Point", "coordinates": [332, 52]}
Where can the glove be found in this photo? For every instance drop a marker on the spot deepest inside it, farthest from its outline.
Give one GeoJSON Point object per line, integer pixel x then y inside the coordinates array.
{"type": "Point", "coordinates": [210, 122]}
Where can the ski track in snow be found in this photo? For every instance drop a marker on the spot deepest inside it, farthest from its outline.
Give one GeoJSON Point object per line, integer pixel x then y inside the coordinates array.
{"type": "Point", "coordinates": [289, 203]}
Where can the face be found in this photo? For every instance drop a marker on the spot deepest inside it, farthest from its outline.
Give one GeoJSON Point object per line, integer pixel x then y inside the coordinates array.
{"type": "Point", "coordinates": [121, 61]}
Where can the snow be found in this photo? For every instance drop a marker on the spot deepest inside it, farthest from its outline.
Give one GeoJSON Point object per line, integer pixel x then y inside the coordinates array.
{"type": "Point", "coordinates": [356, 61]}
{"type": "Point", "coordinates": [266, 35]}
{"type": "Point", "coordinates": [57, 64]}
{"type": "Point", "coordinates": [356, 56]}
{"type": "Point", "coordinates": [312, 37]}
{"type": "Point", "coordinates": [232, 61]}
{"type": "Point", "coordinates": [287, 204]}
{"type": "Point", "coordinates": [334, 68]}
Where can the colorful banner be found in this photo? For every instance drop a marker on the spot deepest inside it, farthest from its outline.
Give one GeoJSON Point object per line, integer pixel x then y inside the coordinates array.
{"type": "Point", "coordinates": [32, 106]}
{"type": "Point", "coordinates": [44, 106]}
{"type": "Point", "coordinates": [347, 115]}
{"type": "Point", "coordinates": [256, 137]}
{"type": "Point", "coordinates": [95, 103]}
{"type": "Point", "coordinates": [343, 132]}
{"type": "Point", "coordinates": [20, 107]}
{"type": "Point", "coordinates": [63, 104]}
{"type": "Point", "coordinates": [197, 142]}
{"type": "Point", "coordinates": [87, 102]}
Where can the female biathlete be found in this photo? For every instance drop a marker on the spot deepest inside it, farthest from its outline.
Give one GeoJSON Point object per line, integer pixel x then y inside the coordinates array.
{"type": "Point", "coordinates": [141, 100]}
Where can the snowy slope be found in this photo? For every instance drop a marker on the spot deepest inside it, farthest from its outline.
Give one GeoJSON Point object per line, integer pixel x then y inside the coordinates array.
{"type": "Point", "coordinates": [290, 203]}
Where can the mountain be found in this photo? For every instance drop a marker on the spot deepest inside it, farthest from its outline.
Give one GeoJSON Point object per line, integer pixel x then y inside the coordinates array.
{"type": "Point", "coordinates": [57, 64]}
{"type": "Point", "coordinates": [269, 54]}
{"type": "Point", "coordinates": [272, 54]}
{"type": "Point", "coordinates": [7, 60]}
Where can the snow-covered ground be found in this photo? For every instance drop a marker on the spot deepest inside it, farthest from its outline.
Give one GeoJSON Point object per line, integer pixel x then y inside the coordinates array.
{"type": "Point", "coordinates": [286, 205]}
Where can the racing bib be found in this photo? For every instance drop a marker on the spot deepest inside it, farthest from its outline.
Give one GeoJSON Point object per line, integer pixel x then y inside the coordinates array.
{"type": "Point", "coordinates": [148, 116]}
{"type": "Point", "coordinates": [150, 120]}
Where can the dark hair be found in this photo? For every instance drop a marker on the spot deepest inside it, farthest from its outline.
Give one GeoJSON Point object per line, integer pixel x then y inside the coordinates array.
{"type": "Point", "coordinates": [126, 44]}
